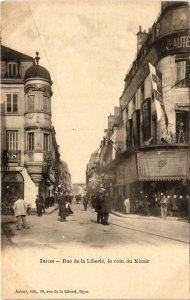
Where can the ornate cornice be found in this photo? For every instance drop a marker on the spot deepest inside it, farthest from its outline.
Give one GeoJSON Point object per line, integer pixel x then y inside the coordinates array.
{"type": "Point", "coordinates": [38, 87]}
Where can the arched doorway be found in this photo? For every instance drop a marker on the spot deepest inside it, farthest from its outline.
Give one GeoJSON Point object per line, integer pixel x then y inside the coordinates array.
{"type": "Point", "coordinates": [12, 185]}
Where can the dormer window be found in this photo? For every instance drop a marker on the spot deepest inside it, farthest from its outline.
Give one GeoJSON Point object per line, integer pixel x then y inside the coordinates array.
{"type": "Point", "coordinates": [12, 69]}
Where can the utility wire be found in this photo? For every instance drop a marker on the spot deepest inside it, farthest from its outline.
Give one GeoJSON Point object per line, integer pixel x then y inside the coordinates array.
{"type": "Point", "coordinates": [40, 38]}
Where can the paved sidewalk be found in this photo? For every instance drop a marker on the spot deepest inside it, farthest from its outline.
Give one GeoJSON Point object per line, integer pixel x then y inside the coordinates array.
{"type": "Point", "coordinates": [134, 216]}
{"type": "Point", "coordinates": [171, 227]}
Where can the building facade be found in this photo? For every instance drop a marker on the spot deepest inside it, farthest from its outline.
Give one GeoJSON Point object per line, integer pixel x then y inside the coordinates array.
{"type": "Point", "coordinates": [30, 159]}
{"type": "Point", "coordinates": [154, 135]}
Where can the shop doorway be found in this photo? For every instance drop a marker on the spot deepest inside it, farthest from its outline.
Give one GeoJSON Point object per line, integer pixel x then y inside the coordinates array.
{"type": "Point", "coordinates": [12, 186]}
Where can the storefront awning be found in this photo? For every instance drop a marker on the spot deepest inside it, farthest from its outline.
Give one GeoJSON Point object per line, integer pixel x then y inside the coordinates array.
{"type": "Point", "coordinates": [163, 165]}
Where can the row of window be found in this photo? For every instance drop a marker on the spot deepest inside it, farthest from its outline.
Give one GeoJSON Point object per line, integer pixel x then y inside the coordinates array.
{"type": "Point", "coordinates": [32, 105]}
{"type": "Point", "coordinates": [149, 128]}
{"type": "Point", "coordinates": [12, 104]}
{"type": "Point", "coordinates": [12, 141]}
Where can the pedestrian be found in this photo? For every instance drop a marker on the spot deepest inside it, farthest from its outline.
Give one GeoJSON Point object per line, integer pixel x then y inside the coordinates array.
{"type": "Point", "coordinates": [85, 202]}
{"type": "Point", "coordinates": [43, 202]}
{"type": "Point", "coordinates": [105, 205]}
{"type": "Point", "coordinates": [40, 206]}
{"type": "Point", "coordinates": [77, 199]}
{"type": "Point", "coordinates": [51, 201]}
{"type": "Point", "coordinates": [20, 210]}
{"type": "Point", "coordinates": [97, 206]}
{"type": "Point", "coordinates": [147, 204]}
{"type": "Point", "coordinates": [164, 206]}
{"type": "Point", "coordinates": [62, 206]}
{"type": "Point", "coordinates": [126, 205]}
{"type": "Point", "coordinates": [68, 208]}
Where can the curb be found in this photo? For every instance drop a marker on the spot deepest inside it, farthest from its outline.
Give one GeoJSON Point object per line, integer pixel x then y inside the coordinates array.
{"type": "Point", "coordinates": [51, 211]}
{"type": "Point", "coordinates": [147, 217]}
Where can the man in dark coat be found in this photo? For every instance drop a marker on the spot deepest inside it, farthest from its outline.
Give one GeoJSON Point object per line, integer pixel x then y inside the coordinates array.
{"type": "Point", "coordinates": [97, 206]}
{"type": "Point", "coordinates": [62, 206]}
{"type": "Point", "coordinates": [39, 205]}
{"type": "Point", "coordinates": [105, 205]}
{"type": "Point", "coordinates": [85, 202]}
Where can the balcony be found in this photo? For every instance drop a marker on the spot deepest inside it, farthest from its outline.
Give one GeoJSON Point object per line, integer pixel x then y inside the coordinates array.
{"type": "Point", "coordinates": [10, 156]}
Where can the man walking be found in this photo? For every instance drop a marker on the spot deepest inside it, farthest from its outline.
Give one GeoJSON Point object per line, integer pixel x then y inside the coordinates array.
{"type": "Point", "coordinates": [20, 210]}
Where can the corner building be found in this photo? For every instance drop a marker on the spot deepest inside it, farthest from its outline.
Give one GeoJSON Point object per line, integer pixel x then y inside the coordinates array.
{"type": "Point", "coordinates": [147, 165]}
{"type": "Point", "coordinates": [27, 160]}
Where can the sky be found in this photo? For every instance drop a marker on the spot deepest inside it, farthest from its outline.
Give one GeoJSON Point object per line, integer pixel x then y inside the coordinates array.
{"type": "Point", "coordinates": [88, 48]}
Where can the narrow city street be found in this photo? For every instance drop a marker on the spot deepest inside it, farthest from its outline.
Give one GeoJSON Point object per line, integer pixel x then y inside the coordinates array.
{"type": "Point", "coordinates": [73, 253]}
{"type": "Point", "coordinates": [81, 228]}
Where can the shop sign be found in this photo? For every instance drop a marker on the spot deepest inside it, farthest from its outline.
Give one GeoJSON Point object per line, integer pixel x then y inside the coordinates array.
{"type": "Point", "coordinates": [173, 44]}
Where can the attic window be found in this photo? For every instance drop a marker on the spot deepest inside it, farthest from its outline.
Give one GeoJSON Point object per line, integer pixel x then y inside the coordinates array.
{"type": "Point", "coordinates": [12, 69]}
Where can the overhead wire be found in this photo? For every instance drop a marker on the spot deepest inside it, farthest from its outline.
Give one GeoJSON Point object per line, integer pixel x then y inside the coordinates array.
{"type": "Point", "coordinates": [48, 60]}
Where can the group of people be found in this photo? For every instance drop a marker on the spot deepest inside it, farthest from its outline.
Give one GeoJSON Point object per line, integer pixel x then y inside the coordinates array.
{"type": "Point", "coordinates": [102, 204]}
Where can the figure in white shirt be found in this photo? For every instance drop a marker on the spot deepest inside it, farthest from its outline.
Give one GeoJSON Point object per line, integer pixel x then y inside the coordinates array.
{"type": "Point", "coordinates": [126, 204]}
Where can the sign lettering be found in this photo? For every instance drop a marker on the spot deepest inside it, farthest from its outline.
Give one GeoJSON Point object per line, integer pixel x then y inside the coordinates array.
{"type": "Point", "coordinates": [174, 43]}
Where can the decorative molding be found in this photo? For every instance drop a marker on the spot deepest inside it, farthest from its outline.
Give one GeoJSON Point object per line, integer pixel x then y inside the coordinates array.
{"type": "Point", "coordinates": [29, 88]}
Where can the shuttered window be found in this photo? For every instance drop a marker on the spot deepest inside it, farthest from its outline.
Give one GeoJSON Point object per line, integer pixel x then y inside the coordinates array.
{"type": "Point", "coordinates": [30, 141]}
{"type": "Point", "coordinates": [31, 103]}
{"type": "Point", "coordinates": [46, 142]}
{"type": "Point", "coordinates": [129, 130]}
{"type": "Point", "coordinates": [46, 104]}
{"type": "Point", "coordinates": [146, 115]}
{"type": "Point", "coordinates": [12, 103]}
{"type": "Point", "coordinates": [12, 140]}
{"type": "Point", "coordinates": [182, 73]}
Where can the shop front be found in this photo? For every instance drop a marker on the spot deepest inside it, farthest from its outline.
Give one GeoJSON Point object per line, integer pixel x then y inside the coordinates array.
{"type": "Point", "coordinates": [12, 187]}
{"type": "Point", "coordinates": [164, 172]}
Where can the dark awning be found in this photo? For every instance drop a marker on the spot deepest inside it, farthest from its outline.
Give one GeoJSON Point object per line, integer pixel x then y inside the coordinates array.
{"type": "Point", "coordinates": [163, 165]}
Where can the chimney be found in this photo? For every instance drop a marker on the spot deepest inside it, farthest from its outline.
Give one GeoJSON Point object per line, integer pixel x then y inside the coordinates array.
{"type": "Point", "coordinates": [111, 119]}
{"type": "Point", "coordinates": [141, 38]}
{"type": "Point", "coordinates": [116, 111]}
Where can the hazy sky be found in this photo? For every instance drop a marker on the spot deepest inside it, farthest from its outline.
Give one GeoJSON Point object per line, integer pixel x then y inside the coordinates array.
{"type": "Point", "coordinates": [90, 46]}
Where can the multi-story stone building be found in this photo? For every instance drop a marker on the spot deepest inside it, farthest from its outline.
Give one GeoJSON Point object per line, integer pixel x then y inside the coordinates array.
{"type": "Point", "coordinates": [30, 155]}
{"type": "Point", "coordinates": [154, 128]}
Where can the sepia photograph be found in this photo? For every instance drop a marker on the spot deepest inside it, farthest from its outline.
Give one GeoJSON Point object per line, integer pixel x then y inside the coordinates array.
{"type": "Point", "coordinates": [95, 160]}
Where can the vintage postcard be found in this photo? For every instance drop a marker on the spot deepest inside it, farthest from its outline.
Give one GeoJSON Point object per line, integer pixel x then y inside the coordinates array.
{"type": "Point", "coordinates": [95, 132]}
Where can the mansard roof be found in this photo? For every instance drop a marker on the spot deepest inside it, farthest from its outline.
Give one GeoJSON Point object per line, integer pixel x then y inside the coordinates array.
{"type": "Point", "coordinates": [13, 55]}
